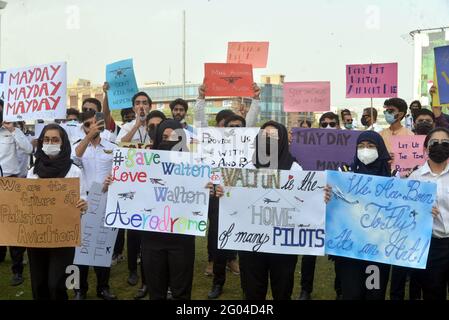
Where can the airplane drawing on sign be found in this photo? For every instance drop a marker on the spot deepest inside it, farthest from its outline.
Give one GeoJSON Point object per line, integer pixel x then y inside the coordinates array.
{"type": "Point", "coordinates": [127, 195]}
{"type": "Point", "coordinates": [233, 214]}
{"type": "Point", "coordinates": [120, 72]}
{"type": "Point", "coordinates": [413, 214]}
{"type": "Point", "coordinates": [231, 80]}
{"type": "Point", "coordinates": [231, 133]}
{"type": "Point", "coordinates": [157, 181]}
{"type": "Point", "coordinates": [149, 210]}
{"type": "Point", "coordinates": [300, 200]}
{"type": "Point", "coordinates": [211, 152]}
{"type": "Point", "coordinates": [340, 195]}
{"type": "Point", "coordinates": [267, 201]}
{"type": "Point", "coordinates": [197, 213]}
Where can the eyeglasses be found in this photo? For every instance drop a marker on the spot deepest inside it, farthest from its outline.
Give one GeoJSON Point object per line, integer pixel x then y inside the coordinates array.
{"type": "Point", "coordinates": [53, 140]}
{"type": "Point", "coordinates": [424, 121]}
{"type": "Point", "coordinates": [326, 124]}
{"type": "Point", "coordinates": [443, 142]}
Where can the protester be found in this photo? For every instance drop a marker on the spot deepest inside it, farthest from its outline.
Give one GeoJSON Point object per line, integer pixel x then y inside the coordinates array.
{"type": "Point", "coordinates": [369, 120]}
{"type": "Point", "coordinates": [346, 118]}
{"type": "Point", "coordinates": [73, 115]}
{"type": "Point", "coordinates": [329, 120]}
{"type": "Point", "coordinates": [48, 265]}
{"type": "Point", "coordinates": [409, 118]}
{"type": "Point", "coordinates": [423, 122]}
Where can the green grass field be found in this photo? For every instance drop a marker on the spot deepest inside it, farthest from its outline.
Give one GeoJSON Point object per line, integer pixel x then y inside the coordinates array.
{"type": "Point", "coordinates": [323, 285]}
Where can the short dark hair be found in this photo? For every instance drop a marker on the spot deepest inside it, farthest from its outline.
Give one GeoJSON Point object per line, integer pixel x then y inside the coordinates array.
{"type": "Point", "coordinates": [223, 114]}
{"type": "Point", "coordinates": [126, 111]}
{"type": "Point", "coordinates": [344, 113]}
{"type": "Point", "coordinates": [423, 112]}
{"type": "Point", "coordinates": [94, 101]}
{"type": "Point", "coordinates": [156, 114]}
{"type": "Point", "coordinates": [416, 102]}
{"type": "Point", "coordinates": [439, 129]}
{"type": "Point", "coordinates": [73, 112]}
{"type": "Point", "coordinates": [398, 103]}
{"type": "Point", "coordinates": [141, 93]}
{"type": "Point", "coordinates": [309, 123]}
{"type": "Point", "coordinates": [329, 115]}
{"type": "Point", "coordinates": [369, 112]}
{"type": "Point", "coordinates": [87, 115]}
{"type": "Point", "coordinates": [181, 102]}
{"type": "Point", "coordinates": [235, 117]}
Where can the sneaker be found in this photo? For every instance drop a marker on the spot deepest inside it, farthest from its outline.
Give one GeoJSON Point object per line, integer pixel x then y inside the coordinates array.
{"type": "Point", "coordinates": [141, 293]}
{"type": "Point", "coordinates": [305, 296]}
{"type": "Point", "coordinates": [209, 269]}
{"type": "Point", "coordinates": [233, 266]}
{"type": "Point", "coordinates": [16, 279]}
{"type": "Point", "coordinates": [215, 292]}
{"type": "Point", "coordinates": [133, 279]}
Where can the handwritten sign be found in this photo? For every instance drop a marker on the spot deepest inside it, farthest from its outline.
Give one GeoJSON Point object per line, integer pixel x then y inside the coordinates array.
{"type": "Point", "coordinates": [122, 84]}
{"type": "Point", "coordinates": [97, 241]}
{"type": "Point", "coordinates": [372, 80]}
{"type": "Point", "coordinates": [228, 80]}
{"type": "Point", "coordinates": [323, 149]}
{"type": "Point", "coordinates": [307, 96]}
{"type": "Point", "coordinates": [226, 147]}
{"type": "Point", "coordinates": [253, 53]}
{"type": "Point", "coordinates": [134, 145]}
{"type": "Point", "coordinates": [36, 93]}
{"type": "Point", "coordinates": [39, 213]}
{"type": "Point", "coordinates": [379, 219]}
{"type": "Point", "coordinates": [408, 153]}
{"type": "Point", "coordinates": [442, 67]}
{"type": "Point", "coordinates": [272, 211]}
{"type": "Point", "coordinates": [159, 191]}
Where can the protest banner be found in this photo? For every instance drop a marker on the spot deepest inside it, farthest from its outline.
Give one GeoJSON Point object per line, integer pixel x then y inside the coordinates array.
{"type": "Point", "coordinates": [39, 213]}
{"type": "Point", "coordinates": [159, 191]}
{"type": "Point", "coordinates": [386, 220]}
{"type": "Point", "coordinates": [442, 70]}
{"type": "Point", "coordinates": [253, 53]}
{"type": "Point", "coordinates": [322, 149]}
{"type": "Point", "coordinates": [272, 211]}
{"type": "Point", "coordinates": [97, 241]}
{"type": "Point", "coordinates": [307, 96]}
{"type": "Point", "coordinates": [372, 80]}
{"type": "Point", "coordinates": [122, 84]}
{"type": "Point", "coordinates": [37, 92]}
{"type": "Point", "coordinates": [228, 80]}
{"type": "Point", "coordinates": [408, 153]}
{"type": "Point", "coordinates": [226, 147]}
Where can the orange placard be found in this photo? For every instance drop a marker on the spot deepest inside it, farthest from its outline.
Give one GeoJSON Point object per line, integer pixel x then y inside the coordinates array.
{"type": "Point", "coordinates": [228, 80]}
{"type": "Point", "coordinates": [39, 213]}
{"type": "Point", "coordinates": [253, 53]}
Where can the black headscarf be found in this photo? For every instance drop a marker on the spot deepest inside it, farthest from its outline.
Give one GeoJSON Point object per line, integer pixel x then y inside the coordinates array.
{"type": "Point", "coordinates": [59, 166]}
{"type": "Point", "coordinates": [170, 124]}
{"type": "Point", "coordinates": [285, 159]}
{"type": "Point", "coordinates": [380, 167]}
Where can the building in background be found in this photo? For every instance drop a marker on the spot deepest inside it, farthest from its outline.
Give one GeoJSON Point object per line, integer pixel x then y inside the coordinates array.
{"type": "Point", "coordinates": [81, 90]}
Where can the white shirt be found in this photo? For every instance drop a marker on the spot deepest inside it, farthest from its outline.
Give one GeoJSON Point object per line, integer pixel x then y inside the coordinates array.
{"type": "Point", "coordinates": [74, 172]}
{"type": "Point", "coordinates": [440, 223]}
{"type": "Point", "coordinates": [9, 144]}
{"type": "Point", "coordinates": [141, 135]}
{"type": "Point", "coordinates": [96, 162]}
{"type": "Point", "coordinates": [376, 127]}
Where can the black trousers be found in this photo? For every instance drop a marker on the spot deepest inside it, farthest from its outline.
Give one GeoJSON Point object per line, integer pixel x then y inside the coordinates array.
{"type": "Point", "coordinates": [119, 242]}
{"type": "Point", "coordinates": [103, 274]}
{"type": "Point", "coordinates": [48, 272]}
{"type": "Point", "coordinates": [353, 278]}
{"type": "Point", "coordinates": [168, 261]}
{"type": "Point", "coordinates": [436, 275]}
{"type": "Point", "coordinates": [134, 248]}
{"type": "Point", "coordinates": [16, 254]}
{"type": "Point", "coordinates": [259, 267]}
{"type": "Point", "coordinates": [398, 283]}
{"type": "Point", "coordinates": [307, 273]}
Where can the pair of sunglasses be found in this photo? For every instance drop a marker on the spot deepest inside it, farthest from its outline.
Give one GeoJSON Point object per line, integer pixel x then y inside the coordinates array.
{"type": "Point", "coordinates": [331, 124]}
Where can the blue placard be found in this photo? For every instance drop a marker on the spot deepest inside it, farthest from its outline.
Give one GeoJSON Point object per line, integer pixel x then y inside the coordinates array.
{"type": "Point", "coordinates": [386, 220]}
{"type": "Point", "coordinates": [442, 65]}
{"type": "Point", "coordinates": [122, 84]}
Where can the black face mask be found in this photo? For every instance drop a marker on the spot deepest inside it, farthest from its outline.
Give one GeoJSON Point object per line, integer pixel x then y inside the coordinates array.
{"type": "Point", "coordinates": [364, 121]}
{"type": "Point", "coordinates": [167, 145]}
{"type": "Point", "coordinates": [438, 153]}
{"type": "Point", "coordinates": [423, 128]}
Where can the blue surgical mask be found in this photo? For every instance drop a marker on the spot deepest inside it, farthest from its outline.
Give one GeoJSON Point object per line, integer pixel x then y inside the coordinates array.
{"type": "Point", "coordinates": [390, 118]}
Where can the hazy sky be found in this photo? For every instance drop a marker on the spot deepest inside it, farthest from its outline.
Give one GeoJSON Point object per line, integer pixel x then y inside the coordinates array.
{"type": "Point", "coordinates": [309, 40]}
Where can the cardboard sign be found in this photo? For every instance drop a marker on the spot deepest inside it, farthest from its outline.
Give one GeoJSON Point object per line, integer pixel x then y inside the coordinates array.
{"type": "Point", "coordinates": [122, 84]}
{"type": "Point", "coordinates": [372, 80]}
{"type": "Point", "coordinates": [272, 211]}
{"type": "Point", "coordinates": [442, 67]}
{"type": "Point", "coordinates": [228, 80]}
{"type": "Point", "coordinates": [253, 53]}
{"type": "Point", "coordinates": [408, 153]}
{"type": "Point", "coordinates": [34, 93]}
{"type": "Point", "coordinates": [39, 213]}
{"type": "Point", "coordinates": [307, 96]}
{"type": "Point", "coordinates": [379, 219]}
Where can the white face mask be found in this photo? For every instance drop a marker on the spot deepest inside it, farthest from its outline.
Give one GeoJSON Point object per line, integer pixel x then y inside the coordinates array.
{"type": "Point", "coordinates": [51, 150]}
{"type": "Point", "coordinates": [367, 156]}
{"type": "Point", "coordinates": [330, 128]}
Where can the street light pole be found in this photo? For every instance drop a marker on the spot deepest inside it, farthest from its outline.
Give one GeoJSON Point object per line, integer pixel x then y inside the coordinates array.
{"type": "Point", "coordinates": [184, 54]}
{"type": "Point", "coordinates": [2, 6]}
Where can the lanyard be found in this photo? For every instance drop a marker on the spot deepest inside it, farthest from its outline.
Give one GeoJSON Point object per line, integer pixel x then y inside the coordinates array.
{"type": "Point", "coordinates": [140, 136]}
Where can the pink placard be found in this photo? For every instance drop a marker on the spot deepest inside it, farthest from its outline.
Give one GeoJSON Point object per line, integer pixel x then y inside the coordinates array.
{"type": "Point", "coordinates": [307, 96]}
{"type": "Point", "coordinates": [408, 153]}
{"type": "Point", "coordinates": [253, 53]}
{"type": "Point", "coordinates": [372, 80]}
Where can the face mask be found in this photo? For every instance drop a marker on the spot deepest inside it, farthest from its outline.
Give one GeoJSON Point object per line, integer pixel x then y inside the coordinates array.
{"type": "Point", "coordinates": [349, 126]}
{"type": "Point", "coordinates": [152, 132]}
{"type": "Point", "coordinates": [367, 156]}
{"type": "Point", "coordinates": [423, 128]}
{"type": "Point", "coordinates": [51, 150]}
{"type": "Point", "coordinates": [167, 145]}
{"type": "Point", "coordinates": [390, 118]}
{"type": "Point", "coordinates": [438, 153]}
{"type": "Point", "coordinates": [364, 121]}
{"type": "Point", "coordinates": [331, 128]}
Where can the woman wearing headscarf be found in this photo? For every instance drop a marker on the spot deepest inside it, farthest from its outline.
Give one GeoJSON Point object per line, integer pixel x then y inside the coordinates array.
{"type": "Point", "coordinates": [372, 158]}
{"type": "Point", "coordinates": [48, 265]}
{"type": "Point", "coordinates": [168, 259]}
